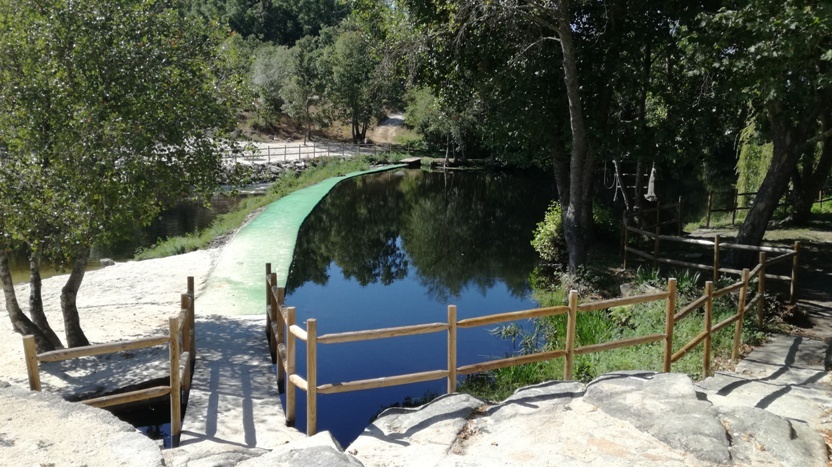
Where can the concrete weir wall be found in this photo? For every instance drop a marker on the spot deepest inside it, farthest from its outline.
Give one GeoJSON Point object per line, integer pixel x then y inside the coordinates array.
{"type": "Point", "coordinates": [236, 286]}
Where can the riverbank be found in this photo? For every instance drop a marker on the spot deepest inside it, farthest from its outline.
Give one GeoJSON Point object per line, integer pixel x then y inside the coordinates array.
{"type": "Point", "coordinates": [125, 301]}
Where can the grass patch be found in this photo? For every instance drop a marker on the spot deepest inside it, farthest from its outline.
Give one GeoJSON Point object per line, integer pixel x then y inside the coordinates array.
{"type": "Point", "coordinates": [224, 224]}
{"type": "Point", "coordinates": [613, 324]}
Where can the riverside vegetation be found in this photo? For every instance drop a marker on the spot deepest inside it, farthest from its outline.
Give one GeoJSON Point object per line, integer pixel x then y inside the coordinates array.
{"type": "Point", "coordinates": [289, 182]}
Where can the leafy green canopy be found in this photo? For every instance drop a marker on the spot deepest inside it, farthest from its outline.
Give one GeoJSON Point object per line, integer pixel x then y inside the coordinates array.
{"type": "Point", "coordinates": [108, 108]}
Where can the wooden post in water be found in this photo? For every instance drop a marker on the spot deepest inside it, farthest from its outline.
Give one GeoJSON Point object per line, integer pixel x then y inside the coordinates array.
{"type": "Point", "coordinates": [670, 311]}
{"type": "Point", "coordinates": [311, 377]}
{"type": "Point", "coordinates": [716, 258]}
{"type": "Point", "coordinates": [291, 356]}
{"type": "Point", "coordinates": [793, 289]}
{"type": "Point", "coordinates": [32, 369]}
{"type": "Point", "coordinates": [709, 310]}
{"type": "Point", "coordinates": [451, 349]}
{"type": "Point", "coordinates": [761, 291]}
{"type": "Point", "coordinates": [735, 350]}
{"type": "Point", "coordinates": [572, 318]}
{"type": "Point", "coordinates": [175, 384]}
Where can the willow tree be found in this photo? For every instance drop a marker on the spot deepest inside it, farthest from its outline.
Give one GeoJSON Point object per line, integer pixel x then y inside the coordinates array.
{"type": "Point", "coordinates": [775, 57]}
{"type": "Point", "coordinates": [108, 109]}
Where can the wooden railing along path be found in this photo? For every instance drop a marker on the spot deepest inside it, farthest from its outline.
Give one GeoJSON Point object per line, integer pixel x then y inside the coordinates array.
{"type": "Point", "coordinates": [749, 196]}
{"type": "Point", "coordinates": [181, 340]}
{"type": "Point", "coordinates": [310, 150]}
{"type": "Point", "coordinates": [284, 331]}
{"type": "Point", "coordinates": [779, 254]}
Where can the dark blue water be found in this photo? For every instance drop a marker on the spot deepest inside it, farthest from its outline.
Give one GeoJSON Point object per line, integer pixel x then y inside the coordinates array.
{"type": "Point", "coordinates": [396, 249]}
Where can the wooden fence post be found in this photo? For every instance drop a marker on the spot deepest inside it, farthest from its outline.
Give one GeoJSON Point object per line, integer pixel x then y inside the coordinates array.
{"type": "Point", "coordinates": [291, 356]}
{"type": "Point", "coordinates": [709, 310]}
{"type": "Point", "coordinates": [716, 258]}
{"type": "Point", "coordinates": [761, 290]}
{"type": "Point", "coordinates": [670, 311]}
{"type": "Point", "coordinates": [31, 354]}
{"type": "Point", "coordinates": [734, 211]}
{"type": "Point", "coordinates": [679, 218]}
{"type": "Point", "coordinates": [185, 300]}
{"type": "Point", "coordinates": [656, 243]}
{"type": "Point", "coordinates": [270, 314]}
{"type": "Point", "coordinates": [793, 290]}
{"type": "Point", "coordinates": [735, 350]}
{"type": "Point", "coordinates": [572, 317]}
{"type": "Point", "coordinates": [279, 337]}
{"type": "Point", "coordinates": [626, 239]}
{"type": "Point", "coordinates": [175, 384]}
{"type": "Point", "coordinates": [192, 319]}
{"type": "Point", "coordinates": [451, 348]}
{"type": "Point", "coordinates": [708, 218]}
{"type": "Point", "coordinates": [311, 377]}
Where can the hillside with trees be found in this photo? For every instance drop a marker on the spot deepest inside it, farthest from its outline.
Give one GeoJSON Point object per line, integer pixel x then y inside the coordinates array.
{"type": "Point", "coordinates": [110, 109]}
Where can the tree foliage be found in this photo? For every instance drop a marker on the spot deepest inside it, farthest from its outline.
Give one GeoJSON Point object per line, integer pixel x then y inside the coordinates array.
{"type": "Point", "coordinates": [108, 110]}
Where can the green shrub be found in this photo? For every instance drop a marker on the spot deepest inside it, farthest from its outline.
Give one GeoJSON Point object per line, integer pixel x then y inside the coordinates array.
{"type": "Point", "coordinates": [548, 235]}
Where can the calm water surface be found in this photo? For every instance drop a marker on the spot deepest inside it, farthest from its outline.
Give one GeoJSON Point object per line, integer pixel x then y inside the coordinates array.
{"type": "Point", "coordinates": [395, 249]}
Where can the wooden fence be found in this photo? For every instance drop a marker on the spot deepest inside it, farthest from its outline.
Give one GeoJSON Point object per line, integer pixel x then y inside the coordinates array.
{"type": "Point", "coordinates": [181, 340]}
{"type": "Point", "coordinates": [311, 150]}
{"type": "Point", "coordinates": [658, 220]}
{"type": "Point", "coordinates": [782, 254]}
{"type": "Point", "coordinates": [735, 204]}
{"type": "Point", "coordinates": [283, 332]}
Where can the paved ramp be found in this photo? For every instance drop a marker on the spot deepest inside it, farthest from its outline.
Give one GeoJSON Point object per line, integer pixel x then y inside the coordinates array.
{"type": "Point", "coordinates": [233, 400]}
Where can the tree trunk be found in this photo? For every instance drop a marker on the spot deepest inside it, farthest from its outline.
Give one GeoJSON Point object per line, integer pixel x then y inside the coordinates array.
{"type": "Point", "coordinates": [787, 141]}
{"type": "Point", "coordinates": [813, 180]}
{"type": "Point", "coordinates": [36, 303]}
{"type": "Point", "coordinates": [579, 209]}
{"type": "Point", "coordinates": [21, 323]}
{"type": "Point", "coordinates": [72, 324]}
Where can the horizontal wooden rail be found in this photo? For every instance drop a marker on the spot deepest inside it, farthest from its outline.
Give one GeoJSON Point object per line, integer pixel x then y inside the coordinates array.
{"type": "Point", "coordinates": [639, 253]}
{"type": "Point", "coordinates": [690, 307]}
{"type": "Point", "coordinates": [783, 257]}
{"type": "Point", "coordinates": [696, 340]}
{"type": "Point", "coordinates": [624, 301]}
{"type": "Point", "coordinates": [752, 302]}
{"type": "Point", "coordinates": [628, 342]}
{"type": "Point", "coordinates": [685, 264]}
{"type": "Point", "coordinates": [101, 349]}
{"type": "Point", "coordinates": [299, 382]}
{"type": "Point", "coordinates": [298, 332]}
{"type": "Point", "coordinates": [383, 333]}
{"type": "Point", "coordinates": [512, 316]}
{"type": "Point", "coordinates": [729, 289]}
{"type": "Point", "coordinates": [689, 241]}
{"type": "Point", "coordinates": [384, 382]}
{"type": "Point", "coordinates": [510, 361]}
{"type": "Point", "coordinates": [642, 232]}
{"type": "Point", "coordinates": [724, 323]}
{"type": "Point", "coordinates": [767, 249]}
{"type": "Point", "coordinates": [128, 397]}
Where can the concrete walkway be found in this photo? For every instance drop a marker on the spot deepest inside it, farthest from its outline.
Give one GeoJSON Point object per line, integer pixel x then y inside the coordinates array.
{"type": "Point", "coordinates": [233, 401]}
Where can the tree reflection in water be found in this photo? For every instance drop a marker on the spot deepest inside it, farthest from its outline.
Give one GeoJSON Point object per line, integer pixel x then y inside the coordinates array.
{"type": "Point", "coordinates": [454, 229]}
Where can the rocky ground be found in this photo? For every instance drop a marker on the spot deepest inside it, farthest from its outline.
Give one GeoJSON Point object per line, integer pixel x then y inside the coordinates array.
{"type": "Point", "coordinates": [774, 409]}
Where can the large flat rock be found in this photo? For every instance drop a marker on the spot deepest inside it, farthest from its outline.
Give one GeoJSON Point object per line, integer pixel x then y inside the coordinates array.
{"type": "Point", "coordinates": [47, 430]}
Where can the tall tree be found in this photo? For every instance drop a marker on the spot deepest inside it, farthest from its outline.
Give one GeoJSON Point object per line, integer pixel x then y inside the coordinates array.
{"type": "Point", "coordinates": [109, 108]}
{"type": "Point", "coordinates": [775, 56]}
